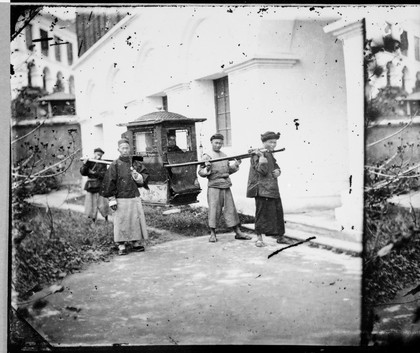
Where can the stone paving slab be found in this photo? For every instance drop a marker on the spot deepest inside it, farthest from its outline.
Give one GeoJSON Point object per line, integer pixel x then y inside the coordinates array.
{"type": "Point", "coordinates": [317, 218]}
{"type": "Point", "coordinates": [350, 247]}
{"type": "Point", "coordinates": [192, 292]}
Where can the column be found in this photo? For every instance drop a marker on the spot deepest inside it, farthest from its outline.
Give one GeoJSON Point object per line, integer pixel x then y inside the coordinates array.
{"type": "Point", "coordinates": [350, 214]}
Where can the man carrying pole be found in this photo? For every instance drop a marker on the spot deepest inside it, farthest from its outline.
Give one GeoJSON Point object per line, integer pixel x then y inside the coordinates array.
{"type": "Point", "coordinates": [263, 186]}
{"type": "Point", "coordinates": [219, 195]}
{"type": "Point", "coordinates": [95, 171]}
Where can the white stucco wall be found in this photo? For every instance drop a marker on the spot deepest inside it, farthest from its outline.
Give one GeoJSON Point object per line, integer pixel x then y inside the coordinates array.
{"type": "Point", "coordinates": [179, 52]}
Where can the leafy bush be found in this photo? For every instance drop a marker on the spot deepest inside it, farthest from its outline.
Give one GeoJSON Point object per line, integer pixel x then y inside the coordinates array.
{"type": "Point", "coordinates": [385, 275]}
{"type": "Point", "coordinates": [386, 103]}
{"type": "Point", "coordinates": [392, 241]}
{"type": "Point", "coordinates": [55, 242]}
{"type": "Point", "coordinates": [45, 185]}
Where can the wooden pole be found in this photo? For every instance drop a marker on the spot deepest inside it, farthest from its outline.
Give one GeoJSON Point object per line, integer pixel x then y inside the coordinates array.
{"type": "Point", "coordinates": [239, 156]}
{"type": "Point", "coordinates": [103, 161]}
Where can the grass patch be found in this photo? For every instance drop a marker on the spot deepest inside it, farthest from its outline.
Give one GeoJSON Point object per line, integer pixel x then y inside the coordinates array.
{"type": "Point", "coordinates": [190, 222]}
{"type": "Point", "coordinates": [385, 276]}
{"type": "Point", "coordinates": [61, 242]}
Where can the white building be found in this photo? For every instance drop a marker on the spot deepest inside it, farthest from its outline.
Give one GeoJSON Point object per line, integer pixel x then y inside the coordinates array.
{"type": "Point", "coordinates": [401, 67]}
{"type": "Point", "coordinates": [43, 53]}
{"type": "Point", "coordinates": [287, 70]}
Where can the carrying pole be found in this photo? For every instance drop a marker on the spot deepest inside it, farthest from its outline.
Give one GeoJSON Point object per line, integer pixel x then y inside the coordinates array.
{"type": "Point", "coordinates": [103, 161]}
{"type": "Point", "coordinates": [229, 158]}
{"type": "Point", "coordinates": [109, 161]}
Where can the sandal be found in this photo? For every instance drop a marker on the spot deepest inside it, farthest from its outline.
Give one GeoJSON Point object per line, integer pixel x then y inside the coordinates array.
{"type": "Point", "coordinates": [260, 244]}
{"type": "Point", "coordinates": [136, 246]}
{"type": "Point", "coordinates": [213, 239]}
{"type": "Point", "coordinates": [243, 237]}
{"type": "Point", "coordinates": [122, 252]}
{"type": "Point", "coordinates": [284, 240]}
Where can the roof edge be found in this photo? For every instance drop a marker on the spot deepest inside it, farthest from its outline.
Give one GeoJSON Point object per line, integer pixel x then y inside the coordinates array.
{"type": "Point", "coordinates": [86, 55]}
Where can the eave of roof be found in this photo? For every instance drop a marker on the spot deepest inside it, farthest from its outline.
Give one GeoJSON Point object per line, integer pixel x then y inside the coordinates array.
{"type": "Point", "coordinates": [57, 96]}
{"type": "Point", "coordinates": [160, 117]}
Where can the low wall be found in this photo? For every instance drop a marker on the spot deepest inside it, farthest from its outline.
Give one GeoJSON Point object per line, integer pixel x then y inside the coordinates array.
{"type": "Point", "coordinates": [407, 141]}
{"type": "Point", "coordinates": [54, 142]}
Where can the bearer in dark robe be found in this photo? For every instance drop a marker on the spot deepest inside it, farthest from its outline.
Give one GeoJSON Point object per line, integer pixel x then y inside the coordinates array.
{"type": "Point", "coordinates": [219, 195]}
{"type": "Point", "coordinates": [121, 183]}
{"type": "Point", "coordinates": [263, 186]}
{"type": "Point", "coordinates": [95, 173]}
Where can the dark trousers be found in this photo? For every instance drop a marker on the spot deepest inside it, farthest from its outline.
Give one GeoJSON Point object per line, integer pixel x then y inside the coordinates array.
{"type": "Point", "coordinates": [269, 218]}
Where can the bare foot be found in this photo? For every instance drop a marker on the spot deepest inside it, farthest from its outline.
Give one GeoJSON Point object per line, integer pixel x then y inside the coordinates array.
{"type": "Point", "coordinates": [260, 244]}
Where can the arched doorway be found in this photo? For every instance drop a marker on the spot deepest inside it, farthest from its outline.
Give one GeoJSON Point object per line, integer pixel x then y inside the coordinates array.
{"type": "Point", "coordinates": [46, 78]}
{"type": "Point", "coordinates": [59, 85]}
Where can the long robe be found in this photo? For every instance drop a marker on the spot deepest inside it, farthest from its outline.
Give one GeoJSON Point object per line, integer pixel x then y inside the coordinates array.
{"type": "Point", "coordinates": [119, 185]}
{"type": "Point", "coordinates": [263, 186]}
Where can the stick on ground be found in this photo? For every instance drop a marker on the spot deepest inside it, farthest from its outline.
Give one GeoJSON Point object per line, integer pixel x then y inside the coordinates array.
{"type": "Point", "coordinates": [290, 246]}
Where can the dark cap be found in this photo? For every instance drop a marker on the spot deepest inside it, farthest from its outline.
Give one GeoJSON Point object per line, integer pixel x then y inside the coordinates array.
{"type": "Point", "coordinates": [217, 137]}
{"type": "Point", "coordinates": [98, 150]}
{"type": "Point", "coordinates": [270, 135]}
{"type": "Point", "coordinates": [123, 140]}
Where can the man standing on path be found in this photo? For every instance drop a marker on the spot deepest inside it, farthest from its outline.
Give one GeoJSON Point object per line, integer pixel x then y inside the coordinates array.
{"type": "Point", "coordinates": [95, 173]}
{"type": "Point", "coordinates": [121, 183]}
{"type": "Point", "coordinates": [263, 186]}
{"type": "Point", "coordinates": [219, 195]}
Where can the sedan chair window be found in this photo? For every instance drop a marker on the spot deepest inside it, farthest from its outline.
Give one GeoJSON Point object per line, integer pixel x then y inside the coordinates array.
{"type": "Point", "coordinates": [178, 140]}
{"type": "Point", "coordinates": [144, 141]}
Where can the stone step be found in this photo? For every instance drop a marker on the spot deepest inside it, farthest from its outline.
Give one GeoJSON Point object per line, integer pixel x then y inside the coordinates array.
{"type": "Point", "coordinates": [329, 242]}
{"type": "Point", "coordinates": [318, 230]}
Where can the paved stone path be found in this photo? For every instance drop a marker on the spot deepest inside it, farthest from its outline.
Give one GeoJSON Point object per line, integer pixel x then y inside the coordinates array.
{"type": "Point", "coordinates": [195, 292]}
{"type": "Point", "coordinates": [399, 318]}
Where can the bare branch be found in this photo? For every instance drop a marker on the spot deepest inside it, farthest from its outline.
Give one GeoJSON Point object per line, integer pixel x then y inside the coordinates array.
{"type": "Point", "coordinates": [24, 163]}
{"type": "Point", "coordinates": [394, 178]}
{"type": "Point", "coordinates": [411, 169]}
{"type": "Point", "coordinates": [388, 160]}
{"type": "Point", "coordinates": [55, 174]}
{"type": "Point", "coordinates": [30, 178]}
{"type": "Point", "coordinates": [384, 175]}
{"type": "Point", "coordinates": [16, 175]}
{"type": "Point", "coordinates": [29, 133]}
{"type": "Point", "coordinates": [411, 176]}
{"type": "Point", "coordinates": [56, 164]}
{"type": "Point", "coordinates": [389, 136]}
{"type": "Point", "coordinates": [32, 14]}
